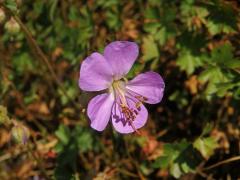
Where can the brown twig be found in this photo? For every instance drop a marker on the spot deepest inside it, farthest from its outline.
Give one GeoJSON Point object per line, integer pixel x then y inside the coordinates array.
{"type": "Point", "coordinates": [236, 158]}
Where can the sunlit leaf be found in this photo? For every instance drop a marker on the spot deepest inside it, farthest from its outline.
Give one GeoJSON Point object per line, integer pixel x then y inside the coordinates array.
{"type": "Point", "coordinates": [206, 146]}
{"type": "Point", "coordinates": [150, 49]}
{"type": "Point", "coordinates": [188, 62]}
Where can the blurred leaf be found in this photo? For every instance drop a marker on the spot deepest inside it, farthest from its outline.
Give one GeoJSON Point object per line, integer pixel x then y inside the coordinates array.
{"type": "Point", "coordinates": [223, 55]}
{"type": "Point", "coordinates": [71, 142]}
{"type": "Point", "coordinates": [107, 4]}
{"type": "Point", "coordinates": [222, 18]}
{"type": "Point", "coordinates": [71, 89]}
{"type": "Point", "coordinates": [11, 4]}
{"type": "Point", "coordinates": [150, 49]}
{"type": "Point", "coordinates": [236, 93]}
{"type": "Point", "coordinates": [189, 41]}
{"type": "Point", "coordinates": [135, 70]}
{"type": "Point", "coordinates": [84, 139]}
{"type": "Point", "coordinates": [207, 129]}
{"type": "Point", "coordinates": [23, 62]}
{"type": "Point", "coordinates": [206, 146]}
{"type": "Point", "coordinates": [214, 76]}
{"type": "Point", "coordinates": [188, 62]}
{"type": "Point", "coordinates": [53, 5]}
{"type": "Point", "coordinates": [152, 13]}
{"type": "Point", "coordinates": [113, 20]}
{"type": "Point", "coordinates": [3, 115]}
{"type": "Point", "coordinates": [175, 170]}
{"type": "Point", "coordinates": [179, 157]}
{"type": "Point", "coordinates": [63, 133]}
{"type": "Point", "coordinates": [180, 97]}
{"type": "Point", "coordinates": [152, 28]}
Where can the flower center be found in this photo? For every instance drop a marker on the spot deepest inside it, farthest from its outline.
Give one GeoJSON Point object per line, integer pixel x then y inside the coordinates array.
{"type": "Point", "coordinates": [129, 113]}
{"type": "Point", "coordinates": [119, 92]}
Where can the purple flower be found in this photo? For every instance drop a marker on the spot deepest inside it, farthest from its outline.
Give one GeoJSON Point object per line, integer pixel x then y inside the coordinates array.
{"type": "Point", "coordinates": [123, 101]}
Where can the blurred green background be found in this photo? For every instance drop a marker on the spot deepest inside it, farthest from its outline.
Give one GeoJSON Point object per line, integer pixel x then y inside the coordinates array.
{"type": "Point", "coordinates": [193, 44]}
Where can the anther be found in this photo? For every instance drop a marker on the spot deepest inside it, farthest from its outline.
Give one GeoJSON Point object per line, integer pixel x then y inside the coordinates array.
{"type": "Point", "coordinates": [138, 106]}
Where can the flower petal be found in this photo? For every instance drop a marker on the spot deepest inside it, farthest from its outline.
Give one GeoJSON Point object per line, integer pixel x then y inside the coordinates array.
{"type": "Point", "coordinates": [95, 73]}
{"type": "Point", "coordinates": [149, 85]}
{"type": "Point", "coordinates": [99, 111]}
{"type": "Point", "coordinates": [121, 56]}
{"type": "Point", "coordinates": [121, 124]}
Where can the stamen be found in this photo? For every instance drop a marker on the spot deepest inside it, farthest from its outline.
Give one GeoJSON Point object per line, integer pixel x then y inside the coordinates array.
{"type": "Point", "coordinates": [138, 106]}
{"type": "Point", "coordinates": [135, 112]}
{"type": "Point", "coordinates": [129, 114]}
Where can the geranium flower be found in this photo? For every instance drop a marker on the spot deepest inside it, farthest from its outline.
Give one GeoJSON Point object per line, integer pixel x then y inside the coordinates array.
{"type": "Point", "coordinates": [123, 100]}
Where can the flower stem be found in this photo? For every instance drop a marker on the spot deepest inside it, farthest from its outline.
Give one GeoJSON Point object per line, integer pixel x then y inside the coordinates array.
{"type": "Point", "coordinates": [236, 158]}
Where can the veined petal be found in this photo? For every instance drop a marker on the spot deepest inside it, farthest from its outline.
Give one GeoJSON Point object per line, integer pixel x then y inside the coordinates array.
{"type": "Point", "coordinates": [122, 125]}
{"type": "Point", "coordinates": [121, 56]}
{"type": "Point", "coordinates": [149, 85]}
{"type": "Point", "coordinates": [99, 111]}
{"type": "Point", "coordinates": [95, 73]}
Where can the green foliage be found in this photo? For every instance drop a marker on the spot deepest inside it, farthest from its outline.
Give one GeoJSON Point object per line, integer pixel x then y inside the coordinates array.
{"type": "Point", "coordinates": [194, 45]}
{"type": "Point", "coordinates": [220, 73]}
{"type": "Point", "coordinates": [150, 49]}
{"type": "Point", "coordinates": [206, 145]}
{"type": "Point", "coordinates": [180, 158]}
{"type": "Point", "coordinates": [188, 62]}
{"type": "Point", "coordinates": [71, 143]}
{"type": "Point", "coordinates": [161, 24]}
{"type": "Point", "coordinates": [222, 18]}
{"type": "Point", "coordinates": [79, 137]}
{"type": "Point", "coordinates": [11, 4]}
{"type": "Point", "coordinates": [223, 57]}
{"type": "Point", "coordinates": [23, 62]}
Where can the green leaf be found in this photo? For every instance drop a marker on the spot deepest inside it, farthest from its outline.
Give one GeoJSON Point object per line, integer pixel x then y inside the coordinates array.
{"type": "Point", "coordinates": [207, 129]}
{"type": "Point", "coordinates": [222, 18]}
{"type": "Point", "coordinates": [223, 55]}
{"type": "Point", "coordinates": [11, 4]}
{"type": "Point", "coordinates": [179, 157]}
{"type": "Point", "coordinates": [113, 19]}
{"type": "Point", "coordinates": [84, 139]}
{"type": "Point", "coordinates": [162, 162]}
{"type": "Point", "coordinates": [188, 62]}
{"type": "Point", "coordinates": [236, 93]}
{"type": "Point", "coordinates": [175, 171]}
{"type": "Point", "coordinates": [53, 6]}
{"type": "Point", "coordinates": [214, 76]}
{"type": "Point", "coordinates": [150, 49]}
{"type": "Point", "coordinates": [152, 13]}
{"type": "Point", "coordinates": [63, 134]}
{"type": "Point", "coordinates": [23, 62]}
{"type": "Point", "coordinates": [107, 4]}
{"type": "Point", "coordinates": [136, 69]}
{"type": "Point", "coordinates": [152, 28]}
{"type": "Point", "coordinates": [206, 146]}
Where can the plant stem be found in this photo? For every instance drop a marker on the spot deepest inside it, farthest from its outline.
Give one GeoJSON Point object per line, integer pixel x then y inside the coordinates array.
{"type": "Point", "coordinates": [39, 54]}
{"type": "Point", "coordinates": [236, 158]}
